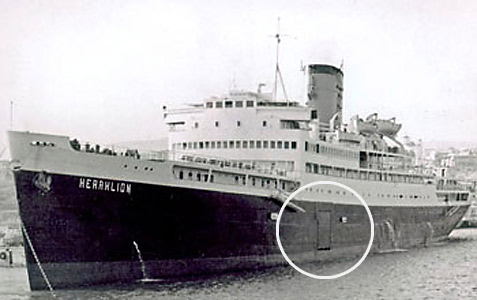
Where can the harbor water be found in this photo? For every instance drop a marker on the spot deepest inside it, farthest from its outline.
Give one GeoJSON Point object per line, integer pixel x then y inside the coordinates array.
{"type": "Point", "coordinates": [447, 270]}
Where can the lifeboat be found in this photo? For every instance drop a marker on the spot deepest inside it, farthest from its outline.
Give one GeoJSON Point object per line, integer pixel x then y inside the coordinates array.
{"type": "Point", "coordinates": [388, 127]}
{"type": "Point", "coordinates": [366, 127]}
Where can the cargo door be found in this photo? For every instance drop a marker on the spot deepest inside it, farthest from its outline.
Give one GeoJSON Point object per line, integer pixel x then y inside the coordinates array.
{"type": "Point", "coordinates": [324, 229]}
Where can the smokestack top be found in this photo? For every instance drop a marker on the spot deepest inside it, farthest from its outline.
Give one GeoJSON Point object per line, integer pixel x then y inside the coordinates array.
{"type": "Point", "coordinates": [327, 69]}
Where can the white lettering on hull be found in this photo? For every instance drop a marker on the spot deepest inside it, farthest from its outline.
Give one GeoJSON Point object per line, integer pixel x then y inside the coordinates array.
{"type": "Point", "coordinates": [104, 185]}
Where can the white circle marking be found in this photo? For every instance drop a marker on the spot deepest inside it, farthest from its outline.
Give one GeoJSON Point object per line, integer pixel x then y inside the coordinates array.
{"type": "Point", "coordinates": [357, 264]}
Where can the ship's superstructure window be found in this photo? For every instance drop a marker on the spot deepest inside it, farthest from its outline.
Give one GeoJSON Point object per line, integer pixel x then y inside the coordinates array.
{"type": "Point", "coordinates": [249, 103]}
{"type": "Point", "coordinates": [364, 174]}
{"type": "Point", "coordinates": [236, 144]}
{"type": "Point", "coordinates": [209, 104]}
{"type": "Point", "coordinates": [314, 114]}
{"type": "Point", "coordinates": [238, 104]}
{"type": "Point", "coordinates": [331, 151]}
{"type": "Point", "coordinates": [238, 124]}
{"type": "Point", "coordinates": [216, 123]}
{"type": "Point", "coordinates": [218, 104]}
{"type": "Point", "coordinates": [196, 125]}
{"type": "Point", "coordinates": [228, 104]}
{"type": "Point", "coordinates": [264, 123]}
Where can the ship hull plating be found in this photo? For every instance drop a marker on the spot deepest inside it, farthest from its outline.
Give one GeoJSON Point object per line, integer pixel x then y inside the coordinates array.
{"type": "Point", "coordinates": [85, 236]}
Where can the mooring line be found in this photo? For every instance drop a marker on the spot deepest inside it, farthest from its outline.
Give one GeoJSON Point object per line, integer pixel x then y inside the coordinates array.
{"type": "Point", "coordinates": [43, 273]}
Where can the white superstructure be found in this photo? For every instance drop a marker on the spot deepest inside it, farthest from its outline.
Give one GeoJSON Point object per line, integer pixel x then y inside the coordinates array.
{"type": "Point", "coordinates": [307, 143]}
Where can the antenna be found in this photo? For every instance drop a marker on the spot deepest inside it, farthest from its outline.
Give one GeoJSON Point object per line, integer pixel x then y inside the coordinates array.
{"type": "Point", "coordinates": [278, 73]}
{"type": "Point", "coordinates": [11, 114]}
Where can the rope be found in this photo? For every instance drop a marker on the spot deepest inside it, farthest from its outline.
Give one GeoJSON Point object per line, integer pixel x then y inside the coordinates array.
{"type": "Point", "coordinates": [37, 259]}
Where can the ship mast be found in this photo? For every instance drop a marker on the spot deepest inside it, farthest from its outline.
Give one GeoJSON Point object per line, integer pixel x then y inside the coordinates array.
{"type": "Point", "coordinates": [278, 73]}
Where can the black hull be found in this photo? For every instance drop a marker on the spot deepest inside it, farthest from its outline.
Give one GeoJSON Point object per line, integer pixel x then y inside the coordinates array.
{"type": "Point", "coordinates": [85, 237]}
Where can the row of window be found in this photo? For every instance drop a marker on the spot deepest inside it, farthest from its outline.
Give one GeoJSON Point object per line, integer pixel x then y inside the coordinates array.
{"type": "Point", "coordinates": [216, 123]}
{"type": "Point", "coordinates": [230, 104]}
{"type": "Point", "coordinates": [317, 148]}
{"type": "Point", "coordinates": [363, 194]}
{"type": "Point", "coordinates": [251, 144]}
{"type": "Point", "coordinates": [233, 179]}
{"type": "Point", "coordinates": [362, 174]}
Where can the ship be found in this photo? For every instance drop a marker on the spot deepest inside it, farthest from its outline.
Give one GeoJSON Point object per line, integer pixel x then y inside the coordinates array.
{"type": "Point", "coordinates": [208, 204]}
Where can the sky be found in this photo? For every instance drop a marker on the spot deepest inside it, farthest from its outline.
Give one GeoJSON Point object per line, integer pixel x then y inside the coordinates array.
{"type": "Point", "coordinates": [101, 71]}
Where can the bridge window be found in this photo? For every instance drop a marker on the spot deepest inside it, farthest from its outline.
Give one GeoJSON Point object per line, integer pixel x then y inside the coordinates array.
{"type": "Point", "coordinates": [209, 105]}
{"type": "Point", "coordinates": [218, 104]}
{"type": "Point", "coordinates": [228, 104]}
{"type": "Point", "coordinates": [238, 103]}
{"type": "Point", "coordinates": [287, 145]}
{"type": "Point", "coordinates": [249, 103]}
{"type": "Point", "coordinates": [272, 144]}
{"type": "Point", "coordinates": [245, 144]}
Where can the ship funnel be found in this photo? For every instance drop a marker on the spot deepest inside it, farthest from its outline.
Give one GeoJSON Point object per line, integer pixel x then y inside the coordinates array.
{"type": "Point", "coordinates": [325, 94]}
